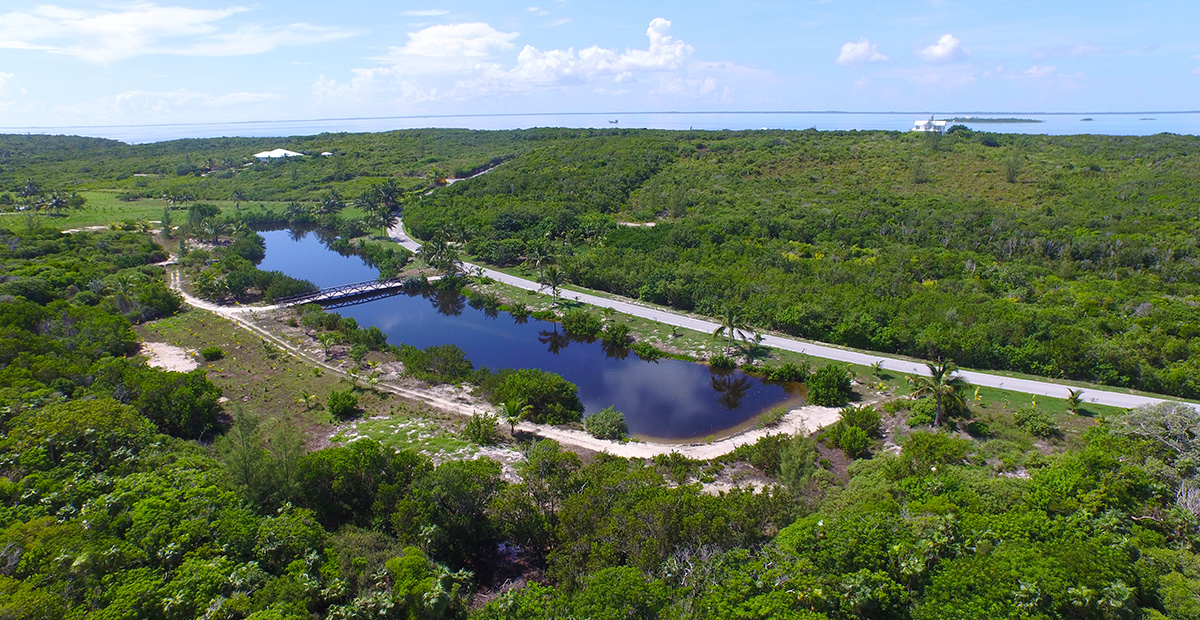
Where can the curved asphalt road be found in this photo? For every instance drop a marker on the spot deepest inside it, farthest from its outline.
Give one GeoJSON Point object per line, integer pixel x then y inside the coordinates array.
{"type": "Point", "coordinates": [1027, 386]}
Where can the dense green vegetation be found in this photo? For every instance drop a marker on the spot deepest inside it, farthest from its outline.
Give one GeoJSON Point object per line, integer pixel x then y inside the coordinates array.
{"type": "Point", "coordinates": [1084, 266]}
{"type": "Point", "coordinates": [129, 492]}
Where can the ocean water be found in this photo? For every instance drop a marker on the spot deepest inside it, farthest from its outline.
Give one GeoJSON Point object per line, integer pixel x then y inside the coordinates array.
{"type": "Point", "coordinates": [1137, 124]}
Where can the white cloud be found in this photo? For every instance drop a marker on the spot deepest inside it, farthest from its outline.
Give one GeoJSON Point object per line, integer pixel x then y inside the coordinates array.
{"type": "Point", "coordinates": [947, 48]}
{"type": "Point", "coordinates": [562, 21]}
{"type": "Point", "coordinates": [425, 13]}
{"type": "Point", "coordinates": [108, 35]}
{"type": "Point", "coordinates": [1039, 71]}
{"type": "Point", "coordinates": [5, 78]}
{"type": "Point", "coordinates": [467, 41]}
{"type": "Point", "coordinates": [860, 53]}
{"type": "Point", "coordinates": [1196, 70]}
{"type": "Point", "coordinates": [554, 67]}
{"type": "Point", "coordinates": [1077, 50]}
{"type": "Point", "coordinates": [862, 83]}
{"type": "Point", "coordinates": [460, 61]}
{"type": "Point", "coordinates": [537, 10]}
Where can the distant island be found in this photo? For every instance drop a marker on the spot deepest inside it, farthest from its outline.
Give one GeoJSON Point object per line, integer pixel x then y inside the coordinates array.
{"type": "Point", "coordinates": [979, 119]}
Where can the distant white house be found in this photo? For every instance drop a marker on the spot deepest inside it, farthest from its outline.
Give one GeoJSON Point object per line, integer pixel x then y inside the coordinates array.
{"type": "Point", "coordinates": [277, 153]}
{"type": "Point", "coordinates": [929, 126]}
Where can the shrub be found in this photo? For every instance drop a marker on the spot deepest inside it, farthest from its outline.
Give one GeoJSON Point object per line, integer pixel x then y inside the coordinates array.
{"type": "Point", "coordinates": [795, 373]}
{"type": "Point", "coordinates": [608, 423]}
{"type": "Point", "coordinates": [343, 405]}
{"type": "Point", "coordinates": [923, 451]}
{"type": "Point", "coordinates": [829, 386]}
{"type": "Point", "coordinates": [481, 429]}
{"type": "Point", "coordinates": [552, 399]}
{"type": "Point", "coordinates": [446, 363]}
{"type": "Point", "coordinates": [1036, 422]}
{"type": "Point", "coordinates": [615, 334]}
{"type": "Point", "coordinates": [854, 442]}
{"type": "Point", "coordinates": [720, 361]}
{"type": "Point", "coordinates": [647, 351]}
{"type": "Point", "coordinates": [212, 354]}
{"type": "Point", "coordinates": [854, 430]}
{"type": "Point", "coordinates": [582, 323]}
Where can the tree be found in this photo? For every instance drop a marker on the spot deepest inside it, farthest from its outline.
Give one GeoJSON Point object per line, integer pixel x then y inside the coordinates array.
{"type": "Point", "coordinates": [554, 278]}
{"type": "Point", "coordinates": [238, 197]}
{"type": "Point", "coordinates": [608, 423]}
{"type": "Point", "coordinates": [513, 411]}
{"type": "Point", "coordinates": [242, 453]}
{"type": "Point", "coordinates": [943, 385]}
{"type": "Point", "coordinates": [829, 386]}
{"type": "Point", "coordinates": [733, 323]}
{"type": "Point", "coordinates": [552, 399]}
{"type": "Point", "coordinates": [1074, 400]}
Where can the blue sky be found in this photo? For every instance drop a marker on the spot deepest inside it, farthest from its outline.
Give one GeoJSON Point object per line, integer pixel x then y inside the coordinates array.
{"type": "Point", "coordinates": [174, 61]}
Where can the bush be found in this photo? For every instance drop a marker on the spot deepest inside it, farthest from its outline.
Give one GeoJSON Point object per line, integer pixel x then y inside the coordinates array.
{"type": "Point", "coordinates": [1036, 422]}
{"type": "Point", "coordinates": [615, 334]}
{"type": "Point", "coordinates": [343, 405]}
{"type": "Point", "coordinates": [647, 351]}
{"type": "Point", "coordinates": [854, 430]}
{"type": "Point", "coordinates": [582, 323]}
{"type": "Point", "coordinates": [788, 372]}
{"type": "Point", "coordinates": [212, 354]}
{"type": "Point", "coordinates": [829, 386]}
{"type": "Point", "coordinates": [608, 423]}
{"type": "Point", "coordinates": [924, 451]}
{"type": "Point", "coordinates": [553, 400]}
{"type": "Point", "coordinates": [720, 361]}
{"type": "Point", "coordinates": [854, 442]}
{"type": "Point", "coordinates": [481, 429]}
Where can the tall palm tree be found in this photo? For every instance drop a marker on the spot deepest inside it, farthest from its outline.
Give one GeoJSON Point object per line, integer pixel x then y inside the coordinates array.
{"type": "Point", "coordinates": [554, 278]}
{"type": "Point", "coordinates": [238, 197]}
{"type": "Point", "coordinates": [733, 323]}
{"type": "Point", "coordinates": [942, 384]}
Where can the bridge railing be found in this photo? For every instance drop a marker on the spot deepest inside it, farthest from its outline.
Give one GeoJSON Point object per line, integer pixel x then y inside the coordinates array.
{"type": "Point", "coordinates": [342, 290]}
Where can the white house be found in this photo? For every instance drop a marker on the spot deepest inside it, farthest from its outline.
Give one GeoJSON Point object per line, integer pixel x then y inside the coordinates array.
{"type": "Point", "coordinates": [277, 153]}
{"type": "Point", "coordinates": [929, 126]}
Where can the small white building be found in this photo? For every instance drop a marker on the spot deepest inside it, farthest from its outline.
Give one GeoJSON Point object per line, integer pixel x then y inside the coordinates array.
{"type": "Point", "coordinates": [277, 153]}
{"type": "Point", "coordinates": [929, 126]}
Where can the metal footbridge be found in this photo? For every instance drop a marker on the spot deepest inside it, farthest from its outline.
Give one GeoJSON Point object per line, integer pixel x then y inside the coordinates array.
{"type": "Point", "coordinates": [346, 294]}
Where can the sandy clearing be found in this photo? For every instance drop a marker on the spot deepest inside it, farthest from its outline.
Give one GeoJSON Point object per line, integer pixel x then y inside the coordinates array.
{"type": "Point", "coordinates": [169, 357]}
{"type": "Point", "coordinates": [805, 419]}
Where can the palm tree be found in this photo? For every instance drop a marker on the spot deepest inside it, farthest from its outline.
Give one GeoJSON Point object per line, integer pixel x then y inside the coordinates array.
{"type": "Point", "coordinates": [733, 323]}
{"type": "Point", "coordinates": [238, 196]}
{"type": "Point", "coordinates": [308, 400]}
{"type": "Point", "coordinates": [942, 384]}
{"type": "Point", "coordinates": [214, 227]}
{"type": "Point", "coordinates": [1074, 400]}
{"type": "Point", "coordinates": [512, 412]}
{"type": "Point", "coordinates": [554, 278]}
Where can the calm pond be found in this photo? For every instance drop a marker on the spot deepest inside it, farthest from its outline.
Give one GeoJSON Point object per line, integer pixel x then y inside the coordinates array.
{"type": "Point", "coordinates": [666, 399]}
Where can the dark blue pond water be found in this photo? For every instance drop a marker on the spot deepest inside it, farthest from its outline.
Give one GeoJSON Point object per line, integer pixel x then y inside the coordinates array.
{"type": "Point", "coordinates": [666, 399]}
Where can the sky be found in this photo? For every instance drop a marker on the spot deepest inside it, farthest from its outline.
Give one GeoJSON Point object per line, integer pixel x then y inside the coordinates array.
{"type": "Point", "coordinates": [80, 62]}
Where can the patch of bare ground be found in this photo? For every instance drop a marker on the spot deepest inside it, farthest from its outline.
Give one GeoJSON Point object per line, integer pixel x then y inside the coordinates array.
{"type": "Point", "coordinates": [169, 357]}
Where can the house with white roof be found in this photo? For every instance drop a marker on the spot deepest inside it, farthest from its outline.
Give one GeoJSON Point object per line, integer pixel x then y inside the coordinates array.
{"type": "Point", "coordinates": [929, 126]}
{"type": "Point", "coordinates": [277, 153]}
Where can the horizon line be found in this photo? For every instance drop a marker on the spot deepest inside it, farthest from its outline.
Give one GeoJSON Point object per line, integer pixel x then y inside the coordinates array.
{"type": "Point", "coordinates": [612, 113]}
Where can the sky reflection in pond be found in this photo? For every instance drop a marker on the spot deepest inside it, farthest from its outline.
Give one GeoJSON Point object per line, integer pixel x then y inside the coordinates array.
{"type": "Point", "coordinates": [665, 399]}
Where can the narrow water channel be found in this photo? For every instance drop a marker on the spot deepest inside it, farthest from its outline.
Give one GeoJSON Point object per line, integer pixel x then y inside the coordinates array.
{"type": "Point", "coordinates": [666, 399]}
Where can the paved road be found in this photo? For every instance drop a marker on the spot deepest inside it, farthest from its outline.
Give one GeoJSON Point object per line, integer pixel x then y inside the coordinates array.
{"type": "Point", "coordinates": [1026, 386]}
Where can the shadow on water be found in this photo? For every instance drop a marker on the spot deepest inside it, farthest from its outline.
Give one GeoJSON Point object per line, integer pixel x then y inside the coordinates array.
{"type": "Point", "coordinates": [669, 399]}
